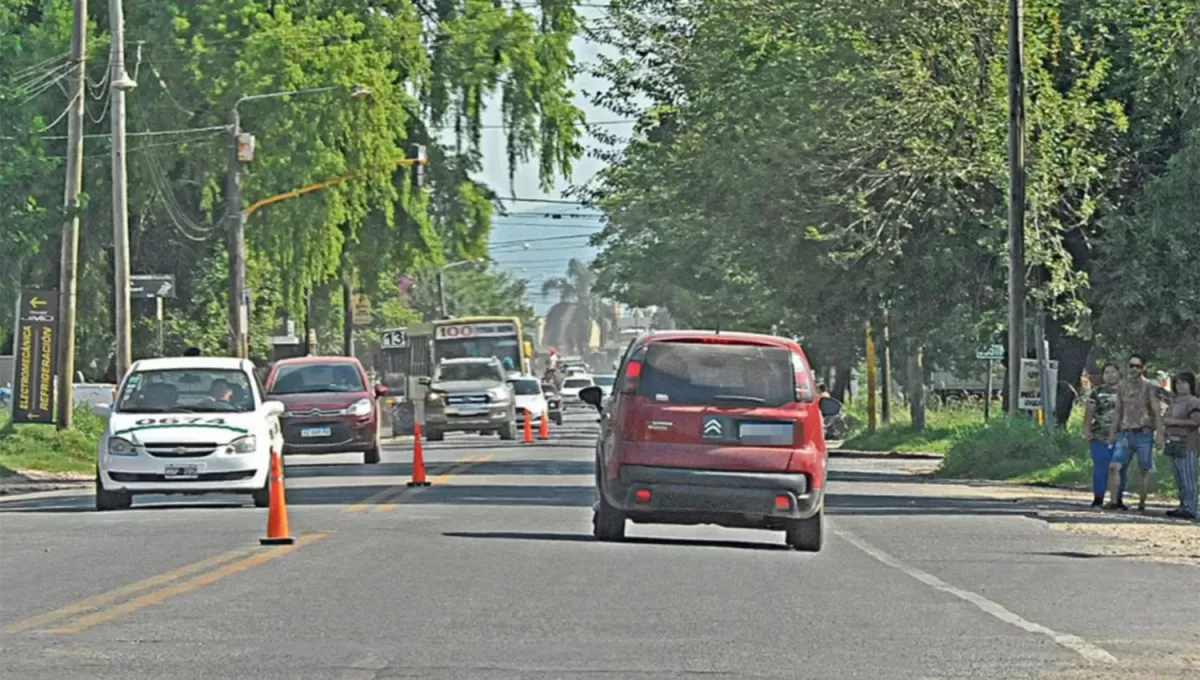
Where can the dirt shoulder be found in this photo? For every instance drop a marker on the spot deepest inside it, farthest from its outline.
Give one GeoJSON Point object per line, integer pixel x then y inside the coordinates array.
{"type": "Point", "coordinates": [31, 481]}
{"type": "Point", "coordinates": [1151, 536]}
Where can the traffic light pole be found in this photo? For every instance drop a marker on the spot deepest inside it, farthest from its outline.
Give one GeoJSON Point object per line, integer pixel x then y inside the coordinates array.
{"type": "Point", "coordinates": [1016, 202]}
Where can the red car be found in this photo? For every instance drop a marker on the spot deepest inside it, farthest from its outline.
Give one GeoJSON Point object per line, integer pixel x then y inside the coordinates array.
{"type": "Point", "coordinates": [330, 406]}
{"type": "Point", "coordinates": [712, 428]}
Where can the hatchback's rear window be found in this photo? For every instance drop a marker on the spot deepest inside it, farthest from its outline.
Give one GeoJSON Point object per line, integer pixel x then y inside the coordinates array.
{"type": "Point", "coordinates": [715, 374]}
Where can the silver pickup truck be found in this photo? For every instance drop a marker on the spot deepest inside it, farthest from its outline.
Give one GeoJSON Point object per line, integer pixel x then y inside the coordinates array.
{"type": "Point", "coordinates": [470, 395]}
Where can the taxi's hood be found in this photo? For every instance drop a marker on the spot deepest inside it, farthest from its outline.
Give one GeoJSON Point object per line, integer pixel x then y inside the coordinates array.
{"type": "Point", "coordinates": [182, 428]}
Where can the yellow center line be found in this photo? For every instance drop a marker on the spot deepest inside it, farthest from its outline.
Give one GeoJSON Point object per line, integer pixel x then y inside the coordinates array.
{"type": "Point", "coordinates": [440, 479]}
{"type": "Point", "coordinates": [104, 598]}
{"type": "Point", "coordinates": [394, 491]}
{"type": "Point", "coordinates": [157, 596]}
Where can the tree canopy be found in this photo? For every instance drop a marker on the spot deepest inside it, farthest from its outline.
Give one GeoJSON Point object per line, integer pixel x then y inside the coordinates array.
{"type": "Point", "coordinates": [803, 166]}
{"type": "Point", "coordinates": [429, 67]}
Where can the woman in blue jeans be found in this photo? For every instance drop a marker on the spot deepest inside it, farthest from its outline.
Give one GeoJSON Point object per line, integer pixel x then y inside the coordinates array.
{"type": "Point", "coordinates": [1097, 429]}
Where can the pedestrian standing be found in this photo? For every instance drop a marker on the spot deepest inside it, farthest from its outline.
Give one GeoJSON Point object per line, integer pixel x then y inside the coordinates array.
{"type": "Point", "coordinates": [1097, 430]}
{"type": "Point", "coordinates": [1137, 426]}
{"type": "Point", "coordinates": [1182, 444]}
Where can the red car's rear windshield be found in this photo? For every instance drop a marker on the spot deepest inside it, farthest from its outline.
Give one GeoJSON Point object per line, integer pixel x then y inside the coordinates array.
{"type": "Point", "coordinates": [314, 378]}
{"type": "Point", "coordinates": [717, 374]}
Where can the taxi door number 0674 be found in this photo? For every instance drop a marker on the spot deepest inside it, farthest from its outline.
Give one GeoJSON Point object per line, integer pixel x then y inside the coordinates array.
{"type": "Point", "coordinates": [186, 420]}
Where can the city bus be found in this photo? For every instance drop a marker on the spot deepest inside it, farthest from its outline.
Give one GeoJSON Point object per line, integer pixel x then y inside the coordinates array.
{"type": "Point", "coordinates": [484, 336]}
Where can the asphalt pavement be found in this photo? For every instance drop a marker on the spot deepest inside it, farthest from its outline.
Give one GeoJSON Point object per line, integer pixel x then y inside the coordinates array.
{"type": "Point", "coordinates": [491, 572]}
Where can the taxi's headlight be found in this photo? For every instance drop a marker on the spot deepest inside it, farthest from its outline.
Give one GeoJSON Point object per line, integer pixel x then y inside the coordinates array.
{"type": "Point", "coordinates": [362, 407]}
{"type": "Point", "coordinates": [247, 444]}
{"type": "Point", "coordinates": [121, 447]}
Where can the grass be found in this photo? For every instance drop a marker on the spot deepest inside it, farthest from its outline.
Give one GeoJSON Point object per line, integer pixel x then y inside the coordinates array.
{"type": "Point", "coordinates": [943, 426]}
{"type": "Point", "coordinates": [46, 449]}
{"type": "Point", "coordinates": [1017, 450]}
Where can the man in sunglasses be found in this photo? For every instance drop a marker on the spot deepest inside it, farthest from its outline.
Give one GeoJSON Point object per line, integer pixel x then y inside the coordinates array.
{"type": "Point", "coordinates": [1137, 425]}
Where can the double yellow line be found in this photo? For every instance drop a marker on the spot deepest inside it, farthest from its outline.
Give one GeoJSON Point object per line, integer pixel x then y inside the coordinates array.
{"type": "Point", "coordinates": [389, 498]}
{"type": "Point", "coordinates": [98, 609]}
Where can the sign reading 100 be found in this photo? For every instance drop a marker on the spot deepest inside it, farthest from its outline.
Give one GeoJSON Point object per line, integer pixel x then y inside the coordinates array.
{"type": "Point", "coordinates": [459, 331]}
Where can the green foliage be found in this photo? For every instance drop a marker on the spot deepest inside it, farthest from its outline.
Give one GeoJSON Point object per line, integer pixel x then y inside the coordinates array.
{"type": "Point", "coordinates": [802, 165]}
{"type": "Point", "coordinates": [1006, 448]}
{"type": "Point", "coordinates": [472, 291]}
{"type": "Point", "coordinates": [46, 449]}
{"type": "Point", "coordinates": [426, 65]}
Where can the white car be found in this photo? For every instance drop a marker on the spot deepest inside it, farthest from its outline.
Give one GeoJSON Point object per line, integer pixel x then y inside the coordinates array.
{"type": "Point", "coordinates": [571, 387]}
{"type": "Point", "coordinates": [189, 425]}
{"type": "Point", "coordinates": [529, 397]}
{"type": "Point", "coordinates": [605, 383]}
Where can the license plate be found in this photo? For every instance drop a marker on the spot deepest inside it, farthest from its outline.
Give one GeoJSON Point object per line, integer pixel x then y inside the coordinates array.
{"type": "Point", "coordinates": [181, 471]}
{"type": "Point", "coordinates": [315, 432]}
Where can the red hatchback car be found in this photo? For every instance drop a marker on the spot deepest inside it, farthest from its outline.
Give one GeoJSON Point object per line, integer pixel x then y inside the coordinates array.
{"type": "Point", "coordinates": [712, 428]}
{"type": "Point", "coordinates": [330, 406]}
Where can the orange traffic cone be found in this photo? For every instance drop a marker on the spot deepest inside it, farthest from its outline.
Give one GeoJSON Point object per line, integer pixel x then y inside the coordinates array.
{"type": "Point", "coordinates": [528, 439]}
{"type": "Point", "coordinates": [544, 428]}
{"type": "Point", "coordinates": [277, 521]}
{"type": "Point", "coordinates": [418, 471]}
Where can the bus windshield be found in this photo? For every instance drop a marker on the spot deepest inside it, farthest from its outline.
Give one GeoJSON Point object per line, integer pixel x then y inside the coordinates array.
{"type": "Point", "coordinates": [506, 349]}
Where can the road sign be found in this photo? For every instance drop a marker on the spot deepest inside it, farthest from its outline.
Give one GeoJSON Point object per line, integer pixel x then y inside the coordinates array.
{"type": "Point", "coordinates": [361, 306]}
{"type": "Point", "coordinates": [993, 353]}
{"type": "Point", "coordinates": [1031, 387]}
{"type": "Point", "coordinates": [150, 286]}
{"type": "Point", "coordinates": [396, 338]}
{"type": "Point", "coordinates": [36, 359]}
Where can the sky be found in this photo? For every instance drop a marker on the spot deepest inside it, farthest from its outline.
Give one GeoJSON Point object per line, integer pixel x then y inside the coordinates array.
{"type": "Point", "coordinates": [536, 240]}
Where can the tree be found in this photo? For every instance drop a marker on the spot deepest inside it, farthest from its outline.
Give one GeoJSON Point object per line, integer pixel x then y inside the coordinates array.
{"type": "Point", "coordinates": [472, 292]}
{"type": "Point", "coordinates": [579, 311]}
{"type": "Point", "coordinates": [802, 165]}
{"type": "Point", "coordinates": [428, 65]}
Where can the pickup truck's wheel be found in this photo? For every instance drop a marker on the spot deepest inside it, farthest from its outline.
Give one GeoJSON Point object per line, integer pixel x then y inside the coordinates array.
{"type": "Point", "coordinates": [556, 418]}
{"type": "Point", "coordinates": [807, 535]}
{"type": "Point", "coordinates": [111, 500]}
{"type": "Point", "coordinates": [435, 435]}
{"type": "Point", "coordinates": [508, 431]}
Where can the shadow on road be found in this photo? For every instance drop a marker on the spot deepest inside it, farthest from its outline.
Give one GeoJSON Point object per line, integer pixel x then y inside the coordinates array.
{"type": "Point", "coordinates": [587, 538]}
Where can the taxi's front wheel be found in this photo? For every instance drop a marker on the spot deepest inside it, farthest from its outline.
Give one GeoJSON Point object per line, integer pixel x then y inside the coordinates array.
{"type": "Point", "coordinates": [111, 500]}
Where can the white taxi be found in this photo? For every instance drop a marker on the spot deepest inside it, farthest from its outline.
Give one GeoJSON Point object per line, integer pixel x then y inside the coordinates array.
{"type": "Point", "coordinates": [187, 425]}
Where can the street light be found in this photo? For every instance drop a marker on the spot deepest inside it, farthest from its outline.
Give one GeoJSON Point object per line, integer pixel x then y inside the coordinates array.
{"type": "Point", "coordinates": [441, 286]}
{"type": "Point", "coordinates": [242, 151]}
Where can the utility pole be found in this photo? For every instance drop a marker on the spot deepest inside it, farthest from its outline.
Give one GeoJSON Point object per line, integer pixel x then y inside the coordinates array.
{"type": "Point", "coordinates": [1016, 201]}
{"type": "Point", "coordinates": [885, 389]}
{"type": "Point", "coordinates": [870, 351]}
{"type": "Point", "coordinates": [70, 234]}
{"type": "Point", "coordinates": [441, 286]}
{"type": "Point", "coordinates": [120, 83]}
{"type": "Point", "coordinates": [237, 242]}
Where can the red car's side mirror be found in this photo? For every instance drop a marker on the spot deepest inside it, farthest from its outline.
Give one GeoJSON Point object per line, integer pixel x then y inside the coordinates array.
{"type": "Point", "coordinates": [381, 390]}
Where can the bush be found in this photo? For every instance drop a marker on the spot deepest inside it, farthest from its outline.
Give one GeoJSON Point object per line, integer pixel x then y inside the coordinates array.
{"type": "Point", "coordinates": [47, 449]}
{"type": "Point", "coordinates": [1012, 448]}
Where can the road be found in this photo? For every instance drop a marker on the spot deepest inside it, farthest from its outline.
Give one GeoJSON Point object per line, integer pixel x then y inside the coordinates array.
{"type": "Point", "coordinates": [492, 573]}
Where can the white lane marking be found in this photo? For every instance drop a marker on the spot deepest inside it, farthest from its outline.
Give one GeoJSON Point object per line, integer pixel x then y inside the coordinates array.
{"type": "Point", "coordinates": [1073, 642]}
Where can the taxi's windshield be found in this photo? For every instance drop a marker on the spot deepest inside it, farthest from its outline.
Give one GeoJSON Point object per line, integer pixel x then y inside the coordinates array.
{"type": "Point", "coordinates": [313, 378]}
{"type": "Point", "coordinates": [187, 390]}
